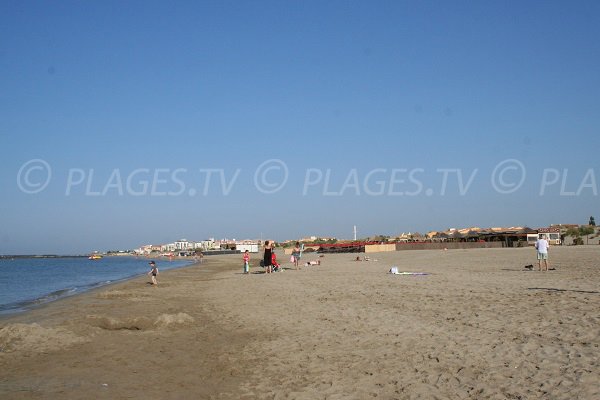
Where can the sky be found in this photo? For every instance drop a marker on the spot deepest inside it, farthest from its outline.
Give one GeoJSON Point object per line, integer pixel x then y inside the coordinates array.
{"type": "Point", "coordinates": [144, 122]}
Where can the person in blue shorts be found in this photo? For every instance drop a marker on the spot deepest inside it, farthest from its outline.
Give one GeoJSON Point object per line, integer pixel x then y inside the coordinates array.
{"type": "Point", "coordinates": [296, 253]}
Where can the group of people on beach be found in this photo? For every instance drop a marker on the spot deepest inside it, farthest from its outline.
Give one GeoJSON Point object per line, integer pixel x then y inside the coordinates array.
{"type": "Point", "coordinates": [269, 261]}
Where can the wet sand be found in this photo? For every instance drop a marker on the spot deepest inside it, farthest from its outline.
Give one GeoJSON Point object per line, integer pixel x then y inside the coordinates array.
{"type": "Point", "coordinates": [478, 326]}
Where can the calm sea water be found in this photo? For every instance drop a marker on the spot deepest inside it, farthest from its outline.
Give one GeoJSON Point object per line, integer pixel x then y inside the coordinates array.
{"type": "Point", "coordinates": [27, 282]}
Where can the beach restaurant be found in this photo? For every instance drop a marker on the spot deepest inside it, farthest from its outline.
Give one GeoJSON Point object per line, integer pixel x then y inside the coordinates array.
{"type": "Point", "coordinates": [552, 234]}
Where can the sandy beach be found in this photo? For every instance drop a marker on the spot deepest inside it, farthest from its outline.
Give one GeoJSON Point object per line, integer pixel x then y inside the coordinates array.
{"type": "Point", "coordinates": [478, 326]}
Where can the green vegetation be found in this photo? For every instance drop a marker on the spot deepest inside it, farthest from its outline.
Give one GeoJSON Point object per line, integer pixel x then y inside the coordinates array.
{"type": "Point", "coordinates": [578, 232]}
{"type": "Point", "coordinates": [323, 241]}
{"type": "Point", "coordinates": [380, 238]}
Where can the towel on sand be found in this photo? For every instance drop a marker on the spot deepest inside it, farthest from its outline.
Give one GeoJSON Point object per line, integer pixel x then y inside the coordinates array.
{"type": "Point", "coordinates": [394, 271]}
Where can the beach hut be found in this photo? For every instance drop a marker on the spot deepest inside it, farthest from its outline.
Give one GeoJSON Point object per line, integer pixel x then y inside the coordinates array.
{"type": "Point", "coordinates": [472, 236]}
{"type": "Point", "coordinates": [456, 236]}
{"type": "Point", "coordinates": [417, 237]}
{"type": "Point", "coordinates": [440, 237]}
{"type": "Point", "coordinates": [512, 237]}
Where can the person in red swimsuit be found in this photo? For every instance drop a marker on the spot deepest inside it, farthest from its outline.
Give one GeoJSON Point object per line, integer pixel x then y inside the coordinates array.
{"type": "Point", "coordinates": [246, 262]}
{"type": "Point", "coordinates": [274, 263]}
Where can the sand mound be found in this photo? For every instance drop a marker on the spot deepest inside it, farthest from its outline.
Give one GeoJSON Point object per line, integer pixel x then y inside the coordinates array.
{"type": "Point", "coordinates": [139, 323]}
{"type": "Point", "coordinates": [113, 324]}
{"type": "Point", "coordinates": [165, 320]}
{"type": "Point", "coordinates": [33, 337]}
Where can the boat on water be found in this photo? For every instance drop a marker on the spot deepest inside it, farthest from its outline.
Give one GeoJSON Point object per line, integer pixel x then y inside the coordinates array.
{"type": "Point", "coordinates": [95, 257]}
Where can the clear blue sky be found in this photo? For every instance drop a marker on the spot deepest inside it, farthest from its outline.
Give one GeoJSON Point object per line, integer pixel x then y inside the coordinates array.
{"type": "Point", "coordinates": [374, 109]}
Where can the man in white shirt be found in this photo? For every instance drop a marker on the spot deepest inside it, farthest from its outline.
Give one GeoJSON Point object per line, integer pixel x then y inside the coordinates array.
{"type": "Point", "coordinates": [542, 246]}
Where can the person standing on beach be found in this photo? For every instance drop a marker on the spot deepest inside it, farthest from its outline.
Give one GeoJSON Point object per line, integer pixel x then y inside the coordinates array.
{"type": "Point", "coordinates": [246, 262]}
{"type": "Point", "coordinates": [267, 257]}
{"type": "Point", "coordinates": [153, 272]}
{"type": "Point", "coordinates": [296, 254]}
{"type": "Point", "coordinates": [542, 246]}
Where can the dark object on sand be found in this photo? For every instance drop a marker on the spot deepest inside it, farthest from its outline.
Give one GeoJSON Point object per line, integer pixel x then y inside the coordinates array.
{"type": "Point", "coordinates": [529, 267]}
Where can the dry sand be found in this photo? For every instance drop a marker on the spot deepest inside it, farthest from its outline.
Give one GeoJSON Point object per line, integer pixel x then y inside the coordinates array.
{"type": "Point", "coordinates": [478, 327]}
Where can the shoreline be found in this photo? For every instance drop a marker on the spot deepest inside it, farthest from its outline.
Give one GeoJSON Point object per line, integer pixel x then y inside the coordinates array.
{"type": "Point", "coordinates": [27, 305]}
{"type": "Point", "coordinates": [10, 314]}
{"type": "Point", "coordinates": [478, 326]}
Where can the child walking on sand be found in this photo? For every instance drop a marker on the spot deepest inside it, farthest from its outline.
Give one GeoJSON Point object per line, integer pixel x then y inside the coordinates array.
{"type": "Point", "coordinates": [153, 272]}
{"type": "Point", "coordinates": [246, 259]}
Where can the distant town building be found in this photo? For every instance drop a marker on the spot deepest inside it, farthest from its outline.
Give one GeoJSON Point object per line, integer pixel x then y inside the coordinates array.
{"type": "Point", "coordinates": [252, 247]}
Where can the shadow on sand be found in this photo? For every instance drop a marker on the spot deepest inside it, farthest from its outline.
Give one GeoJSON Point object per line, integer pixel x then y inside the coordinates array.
{"type": "Point", "coordinates": [564, 290]}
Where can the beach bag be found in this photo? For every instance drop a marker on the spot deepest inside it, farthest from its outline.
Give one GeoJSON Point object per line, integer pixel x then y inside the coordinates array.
{"type": "Point", "coordinates": [394, 270]}
{"type": "Point", "coordinates": [292, 259]}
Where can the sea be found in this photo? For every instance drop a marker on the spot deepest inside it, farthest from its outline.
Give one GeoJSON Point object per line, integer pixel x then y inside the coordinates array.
{"type": "Point", "coordinates": [29, 282]}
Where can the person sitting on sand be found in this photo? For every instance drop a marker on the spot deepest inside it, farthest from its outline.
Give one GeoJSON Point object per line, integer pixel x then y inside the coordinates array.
{"type": "Point", "coordinates": [274, 263]}
{"type": "Point", "coordinates": [308, 263]}
{"type": "Point", "coordinates": [153, 272]}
